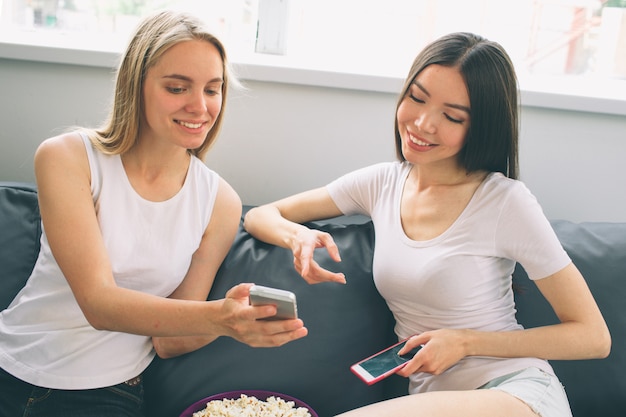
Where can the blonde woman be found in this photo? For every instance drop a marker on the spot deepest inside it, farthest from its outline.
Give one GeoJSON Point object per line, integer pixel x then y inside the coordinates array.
{"type": "Point", "coordinates": [135, 226]}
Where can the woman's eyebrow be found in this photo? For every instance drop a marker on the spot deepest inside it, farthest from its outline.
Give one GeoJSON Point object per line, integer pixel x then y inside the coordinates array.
{"type": "Point", "coordinates": [421, 87]}
{"type": "Point", "coordinates": [186, 78]}
{"type": "Point", "coordinates": [452, 105]}
{"type": "Point", "coordinates": [177, 77]}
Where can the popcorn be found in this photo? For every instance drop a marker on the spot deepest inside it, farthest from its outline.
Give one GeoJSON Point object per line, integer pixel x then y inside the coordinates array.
{"type": "Point", "coordinates": [250, 406]}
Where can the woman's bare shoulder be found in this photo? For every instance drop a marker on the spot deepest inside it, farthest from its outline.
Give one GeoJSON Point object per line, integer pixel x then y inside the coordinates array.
{"type": "Point", "coordinates": [60, 144]}
{"type": "Point", "coordinates": [65, 152]}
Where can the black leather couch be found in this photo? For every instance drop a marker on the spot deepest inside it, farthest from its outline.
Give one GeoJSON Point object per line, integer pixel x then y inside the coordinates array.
{"type": "Point", "coordinates": [345, 322]}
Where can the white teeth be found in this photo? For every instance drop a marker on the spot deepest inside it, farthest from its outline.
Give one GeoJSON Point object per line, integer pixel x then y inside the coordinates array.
{"type": "Point", "coordinates": [190, 125]}
{"type": "Point", "coordinates": [418, 142]}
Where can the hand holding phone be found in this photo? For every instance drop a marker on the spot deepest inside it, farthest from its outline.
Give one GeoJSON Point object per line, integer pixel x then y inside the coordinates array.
{"type": "Point", "coordinates": [285, 301]}
{"type": "Point", "coordinates": [383, 364]}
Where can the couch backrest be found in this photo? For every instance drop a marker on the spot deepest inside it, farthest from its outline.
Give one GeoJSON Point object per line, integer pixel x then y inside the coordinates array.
{"type": "Point", "coordinates": [20, 230]}
{"type": "Point", "coordinates": [346, 323]}
{"type": "Point", "coordinates": [594, 387]}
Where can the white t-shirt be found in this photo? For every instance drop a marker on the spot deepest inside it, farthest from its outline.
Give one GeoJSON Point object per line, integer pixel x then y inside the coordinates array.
{"type": "Point", "coordinates": [460, 279]}
{"type": "Point", "coordinates": [44, 337]}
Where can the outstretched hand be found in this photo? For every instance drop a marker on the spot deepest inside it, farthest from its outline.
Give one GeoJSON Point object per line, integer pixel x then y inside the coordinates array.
{"type": "Point", "coordinates": [303, 248]}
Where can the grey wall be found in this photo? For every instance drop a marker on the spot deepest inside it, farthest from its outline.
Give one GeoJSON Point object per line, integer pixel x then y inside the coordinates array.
{"type": "Point", "coordinates": [280, 139]}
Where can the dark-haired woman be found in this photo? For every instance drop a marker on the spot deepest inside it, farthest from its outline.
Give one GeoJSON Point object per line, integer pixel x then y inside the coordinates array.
{"type": "Point", "coordinates": [451, 221]}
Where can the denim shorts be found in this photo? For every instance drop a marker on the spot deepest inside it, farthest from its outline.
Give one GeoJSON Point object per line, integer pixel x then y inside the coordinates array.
{"type": "Point", "coordinates": [18, 398]}
{"type": "Point", "coordinates": [541, 391]}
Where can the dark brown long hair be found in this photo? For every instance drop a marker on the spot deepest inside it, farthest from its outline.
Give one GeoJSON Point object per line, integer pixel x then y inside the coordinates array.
{"type": "Point", "coordinates": [491, 143]}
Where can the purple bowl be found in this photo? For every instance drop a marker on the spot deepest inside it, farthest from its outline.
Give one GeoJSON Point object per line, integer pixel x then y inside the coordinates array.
{"type": "Point", "coordinates": [259, 394]}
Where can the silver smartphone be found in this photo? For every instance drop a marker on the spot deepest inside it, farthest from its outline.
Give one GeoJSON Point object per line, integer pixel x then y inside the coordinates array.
{"type": "Point", "coordinates": [285, 301]}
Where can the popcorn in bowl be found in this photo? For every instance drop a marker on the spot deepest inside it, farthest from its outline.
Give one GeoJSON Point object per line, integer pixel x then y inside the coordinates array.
{"type": "Point", "coordinates": [249, 403]}
{"type": "Point", "coordinates": [250, 406]}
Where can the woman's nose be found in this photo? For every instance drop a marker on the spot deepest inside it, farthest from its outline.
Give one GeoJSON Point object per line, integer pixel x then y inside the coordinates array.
{"type": "Point", "coordinates": [425, 122]}
{"type": "Point", "coordinates": [197, 103]}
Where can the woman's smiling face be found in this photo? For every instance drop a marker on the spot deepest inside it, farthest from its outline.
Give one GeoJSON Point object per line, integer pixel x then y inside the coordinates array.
{"type": "Point", "coordinates": [183, 94]}
{"type": "Point", "coordinates": [434, 116]}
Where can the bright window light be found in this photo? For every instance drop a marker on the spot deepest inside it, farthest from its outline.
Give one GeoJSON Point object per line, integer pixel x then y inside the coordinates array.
{"type": "Point", "coordinates": [545, 38]}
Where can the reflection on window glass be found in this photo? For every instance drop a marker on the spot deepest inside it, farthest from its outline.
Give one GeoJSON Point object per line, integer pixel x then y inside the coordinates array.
{"type": "Point", "coordinates": [575, 37]}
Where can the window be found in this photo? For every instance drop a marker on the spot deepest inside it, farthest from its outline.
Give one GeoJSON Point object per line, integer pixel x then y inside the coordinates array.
{"type": "Point", "coordinates": [584, 40]}
{"type": "Point", "coordinates": [106, 24]}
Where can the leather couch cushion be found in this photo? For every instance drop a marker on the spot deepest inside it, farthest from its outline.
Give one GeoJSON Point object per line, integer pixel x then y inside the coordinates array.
{"type": "Point", "coordinates": [594, 387]}
{"type": "Point", "coordinates": [20, 231]}
{"type": "Point", "coordinates": [346, 323]}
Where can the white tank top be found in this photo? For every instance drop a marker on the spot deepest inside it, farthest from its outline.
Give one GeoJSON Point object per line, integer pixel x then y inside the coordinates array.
{"type": "Point", "coordinates": [44, 337]}
{"type": "Point", "coordinates": [460, 279]}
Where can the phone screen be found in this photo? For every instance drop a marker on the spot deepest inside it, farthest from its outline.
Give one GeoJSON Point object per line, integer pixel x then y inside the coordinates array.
{"type": "Point", "coordinates": [383, 364]}
{"type": "Point", "coordinates": [386, 360]}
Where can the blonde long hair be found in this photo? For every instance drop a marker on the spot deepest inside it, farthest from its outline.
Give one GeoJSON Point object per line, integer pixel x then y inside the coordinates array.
{"type": "Point", "coordinates": [153, 37]}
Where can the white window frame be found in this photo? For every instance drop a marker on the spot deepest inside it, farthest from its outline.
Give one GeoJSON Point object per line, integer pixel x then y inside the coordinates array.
{"type": "Point", "coordinates": [574, 93]}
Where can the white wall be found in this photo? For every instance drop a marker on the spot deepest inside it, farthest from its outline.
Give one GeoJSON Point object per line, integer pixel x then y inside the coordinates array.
{"type": "Point", "coordinates": [280, 138]}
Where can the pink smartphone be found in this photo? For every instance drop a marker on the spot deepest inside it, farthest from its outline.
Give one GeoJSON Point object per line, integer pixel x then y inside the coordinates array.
{"type": "Point", "coordinates": [382, 364]}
